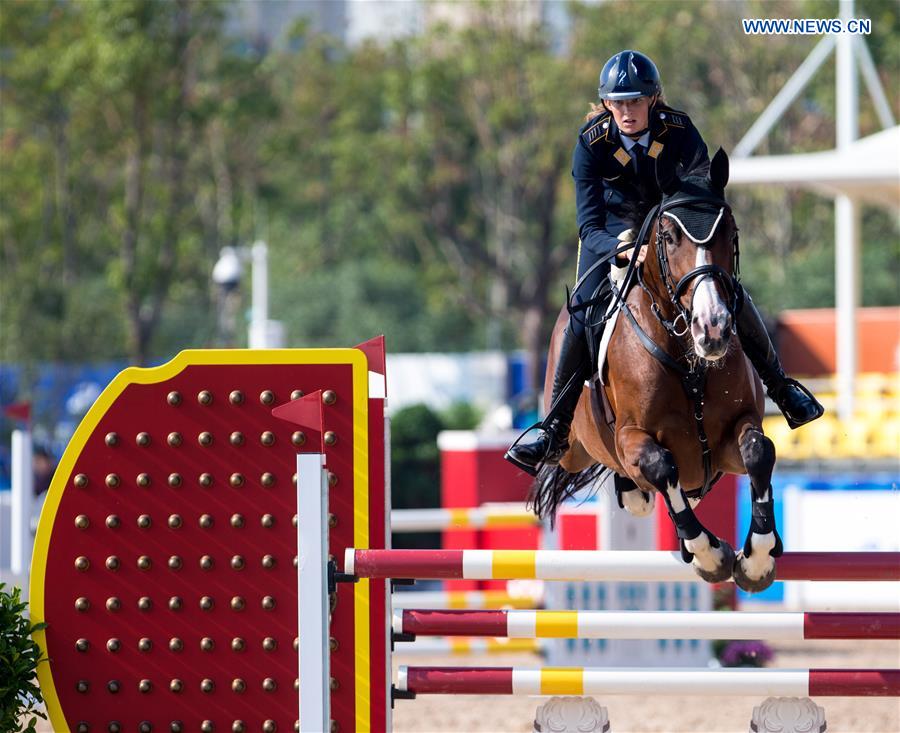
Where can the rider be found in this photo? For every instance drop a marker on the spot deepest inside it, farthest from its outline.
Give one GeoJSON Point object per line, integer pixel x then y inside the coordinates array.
{"type": "Point", "coordinates": [612, 167]}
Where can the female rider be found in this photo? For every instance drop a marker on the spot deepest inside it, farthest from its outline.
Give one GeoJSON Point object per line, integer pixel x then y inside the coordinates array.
{"type": "Point", "coordinates": [613, 169]}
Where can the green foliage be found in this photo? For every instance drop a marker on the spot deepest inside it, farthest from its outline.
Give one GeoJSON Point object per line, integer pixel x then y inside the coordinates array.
{"type": "Point", "coordinates": [20, 697]}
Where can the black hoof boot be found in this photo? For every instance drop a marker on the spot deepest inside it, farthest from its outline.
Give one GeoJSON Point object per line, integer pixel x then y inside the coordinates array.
{"type": "Point", "coordinates": [796, 403]}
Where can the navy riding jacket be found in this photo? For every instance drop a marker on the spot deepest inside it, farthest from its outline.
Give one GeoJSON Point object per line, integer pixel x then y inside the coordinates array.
{"type": "Point", "coordinates": [605, 177]}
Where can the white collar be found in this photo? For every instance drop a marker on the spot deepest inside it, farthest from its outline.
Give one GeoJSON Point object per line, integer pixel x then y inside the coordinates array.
{"type": "Point", "coordinates": [629, 142]}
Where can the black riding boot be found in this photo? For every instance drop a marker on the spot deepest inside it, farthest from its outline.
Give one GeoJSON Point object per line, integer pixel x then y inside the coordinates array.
{"type": "Point", "coordinates": [552, 444]}
{"type": "Point", "coordinates": [793, 399]}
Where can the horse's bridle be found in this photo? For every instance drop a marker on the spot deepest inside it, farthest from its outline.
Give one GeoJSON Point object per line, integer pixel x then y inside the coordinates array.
{"type": "Point", "coordinates": [677, 290]}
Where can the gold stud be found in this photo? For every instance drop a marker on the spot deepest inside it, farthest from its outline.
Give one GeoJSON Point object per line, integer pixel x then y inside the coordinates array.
{"type": "Point", "coordinates": [175, 521]}
{"type": "Point", "coordinates": [114, 727]}
{"type": "Point", "coordinates": [298, 438]}
{"type": "Point", "coordinates": [174, 480]}
{"type": "Point", "coordinates": [113, 645]}
{"type": "Point", "coordinates": [267, 521]}
{"type": "Point", "coordinates": [176, 726]}
{"type": "Point", "coordinates": [144, 562]}
{"type": "Point", "coordinates": [330, 438]}
{"type": "Point", "coordinates": [268, 562]}
{"type": "Point", "coordinates": [294, 479]}
{"type": "Point", "coordinates": [143, 480]}
{"type": "Point", "coordinates": [145, 686]}
{"type": "Point", "coordinates": [82, 686]}
{"type": "Point", "coordinates": [142, 439]}
{"type": "Point", "coordinates": [332, 644]}
{"type": "Point", "coordinates": [82, 645]}
{"type": "Point", "coordinates": [296, 644]}
{"type": "Point", "coordinates": [82, 521]}
{"type": "Point", "coordinates": [113, 481]}
{"type": "Point", "coordinates": [294, 521]}
{"type": "Point", "coordinates": [207, 686]}
{"type": "Point", "coordinates": [176, 686]}
{"type": "Point", "coordinates": [236, 397]}
{"type": "Point", "coordinates": [236, 480]}
{"type": "Point", "coordinates": [206, 603]}
{"type": "Point", "coordinates": [205, 397]}
{"type": "Point", "coordinates": [267, 479]}
{"type": "Point", "coordinates": [269, 726]}
{"type": "Point", "coordinates": [267, 397]}
{"type": "Point", "coordinates": [81, 480]}
{"type": "Point", "coordinates": [205, 439]}
{"type": "Point", "coordinates": [174, 439]}
{"type": "Point", "coordinates": [174, 562]}
{"type": "Point", "coordinates": [267, 438]}
{"type": "Point", "coordinates": [144, 521]}
{"type": "Point", "coordinates": [297, 726]}
{"type": "Point", "coordinates": [175, 644]}
{"type": "Point", "coordinates": [144, 644]}
{"type": "Point", "coordinates": [173, 398]}
{"type": "Point", "coordinates": [238, 644]}
{"type": "Point", "coordinates": [82, 604]}
{"type": "Point", "coordinates": [296, 684]}
{"type": "Point", "coordinates": [268, 603]}
{"type": "Point", "coordinates": [329, 397]}
{"type": "Point", "coordinates": [112, 563]}
{"type": "Point", "coordinates": [236, 438]}
{"type": "Point", "coordinates": [237, 521]}
{"type": "Point", "coordinates": [296, 394]}
{"type": "Point", "coordinates": [206, 562]}
{"type": "Point", "coordinates": [269, 644]}
{"type": "Point", "coordinates": [207, 726]}
{"type": "Point", "coordinates": [82, 727]}
{"type": "Point", "coordinates": [113, 604]}
{"type": "Point", "coordinates": [112, 521]}
{"type": "Point", "coordinates": [332, 479]}
{"type": "Point", "coordinates": [332, 520]}
{"type": "Point", "coordinates": [175, 603]}
{"type": "Point", "coordinates": [237, 562]}
{"type": "Point", "coordinates": [333, 684]}
{"type": "Point", "coordinates": [238, 727]}
{"type": "Point", "coordinates": [145, 727]}
{"type": "Point", "coordinates": [238, 685]}
{"type": "Point", "coordinates": [113, 686]}
{"type": "Point", "coordinates": [144, 603]}
{"type": "Point", "coordinates": [237, 603]}
{"type": "Point", "coordinates": [206, 480]}
{"type": "Point", "coordinates": [269, 685]}
{"type": "Point", "coordinates": [111, 440]}
{"type": "Point", "coordinates": [295, 561]}
{"type": "Point", "coordinates": [206, 521]}
{"type": "Point", "coordinates": [207, 644]}
{"type": "Point", "coordinates": [82, 563]}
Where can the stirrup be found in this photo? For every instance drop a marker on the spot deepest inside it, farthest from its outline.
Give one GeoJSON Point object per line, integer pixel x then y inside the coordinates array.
{"type": "Point", "coordinates": [530, 470]}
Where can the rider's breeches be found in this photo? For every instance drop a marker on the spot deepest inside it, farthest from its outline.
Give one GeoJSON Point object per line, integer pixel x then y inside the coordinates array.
{"type": "Point", "coordinates": [586, 289]}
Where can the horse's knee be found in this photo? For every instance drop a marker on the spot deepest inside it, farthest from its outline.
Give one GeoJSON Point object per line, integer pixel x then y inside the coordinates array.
{"type": "Point", "coordinates": [658, 467]}
{"type": "Point", "coordinates": [757, 452]}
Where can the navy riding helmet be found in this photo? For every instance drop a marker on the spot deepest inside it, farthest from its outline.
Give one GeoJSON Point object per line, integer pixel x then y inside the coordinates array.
{"type": "Point", "coordinates": [628, 75]}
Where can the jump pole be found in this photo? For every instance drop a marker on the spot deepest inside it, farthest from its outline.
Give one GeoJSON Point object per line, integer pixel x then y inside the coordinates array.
{"type": "Point", "coordinates": [638, 681]}
{"type": "Point", "coordinates": [606, 565]}
{"type": "Point", "coordinates": [517, 624]}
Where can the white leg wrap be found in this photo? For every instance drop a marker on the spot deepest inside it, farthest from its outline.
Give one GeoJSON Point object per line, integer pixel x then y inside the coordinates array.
{"type": "Point", "coordinates": [760, 562]}
{"type": "Point", "coordinates": [639, 503]}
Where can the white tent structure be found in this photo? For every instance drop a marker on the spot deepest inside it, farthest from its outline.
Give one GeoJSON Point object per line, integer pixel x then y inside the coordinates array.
{"type": "Point", "coordinates": [855, 172]}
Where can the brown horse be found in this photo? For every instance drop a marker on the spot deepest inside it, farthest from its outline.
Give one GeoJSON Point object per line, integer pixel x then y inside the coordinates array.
{"type": "Point", "coordinates": [686, 400]}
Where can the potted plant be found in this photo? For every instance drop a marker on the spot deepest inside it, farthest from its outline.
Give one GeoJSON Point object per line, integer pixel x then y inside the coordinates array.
{"type": "Point", "coordinates": [20, 697]}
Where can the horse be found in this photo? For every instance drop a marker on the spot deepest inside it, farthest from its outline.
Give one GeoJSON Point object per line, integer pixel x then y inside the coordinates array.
{"type": "Point", "coordinates": [687, 403]}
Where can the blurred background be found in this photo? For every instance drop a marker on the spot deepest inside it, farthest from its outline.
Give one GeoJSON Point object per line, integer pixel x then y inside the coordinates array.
{"type": "Point", "coordinates": [192, 174]}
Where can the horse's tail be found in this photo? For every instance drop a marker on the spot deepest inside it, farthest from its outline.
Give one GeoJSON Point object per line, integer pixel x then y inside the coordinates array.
{"type": "Point", "coordinates": [554, 484]}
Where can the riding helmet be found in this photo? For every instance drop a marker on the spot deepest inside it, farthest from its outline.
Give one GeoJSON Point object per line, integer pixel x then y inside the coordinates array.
{"type": "Point", "coordinates": [628, 75]}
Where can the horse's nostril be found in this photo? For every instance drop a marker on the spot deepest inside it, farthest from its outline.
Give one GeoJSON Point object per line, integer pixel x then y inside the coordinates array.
{"type": "Point", "coordinates": [714, 321]}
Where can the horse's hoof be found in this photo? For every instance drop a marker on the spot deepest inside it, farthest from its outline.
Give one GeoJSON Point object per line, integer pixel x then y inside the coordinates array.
{"type": "Point", "coordinates": [723, 571]}
{"type": "Point", "coordinates": [748, 584]}
{"type": "Point", "coordinates": [638, 503]}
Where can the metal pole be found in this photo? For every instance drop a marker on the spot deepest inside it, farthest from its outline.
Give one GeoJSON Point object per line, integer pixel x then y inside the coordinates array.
{"type": "Point", "coordinates": [312, 582]}
{"type": "Point", "coordinates": [846, 225]}
{"type": "Point", "coordinates": [22, 500]}
{"type": "Point", "coordinates": [259, 294]}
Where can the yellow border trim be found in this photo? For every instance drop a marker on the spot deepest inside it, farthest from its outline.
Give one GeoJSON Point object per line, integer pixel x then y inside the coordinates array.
{"type": "Point", "coordinates": [154, 375]}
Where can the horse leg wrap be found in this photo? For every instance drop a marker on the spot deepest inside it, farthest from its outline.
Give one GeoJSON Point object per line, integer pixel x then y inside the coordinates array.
{"type": "Point", "coordinates": [762, 521]}
{"type": "Point", "coordinates": [687, 527]}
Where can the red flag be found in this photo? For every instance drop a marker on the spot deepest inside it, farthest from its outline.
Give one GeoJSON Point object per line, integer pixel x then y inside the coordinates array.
{"type": "Point", "coordinates": [18, 411]}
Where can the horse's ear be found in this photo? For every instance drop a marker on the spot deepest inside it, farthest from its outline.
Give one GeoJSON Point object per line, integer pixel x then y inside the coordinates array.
{"type": "Point", "coordinates": [666, 177]}
{"type": "Point", "coordinates": [718, 170]}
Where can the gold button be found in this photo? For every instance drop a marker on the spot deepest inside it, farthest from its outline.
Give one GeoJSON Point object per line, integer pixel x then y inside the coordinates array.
{"type": "Point", "coordinates": [267, 397]}
{"type": "Point", "coordinates": [267, 438]}
{"type": "Point", "coordinates": [238, 685]}
{"type": "Point", "coordinates": [113, 604]}
{"type": "Point", "coordinates": [174, 439]}
{"type": "Point", "coordinates": [267, 479]}
{"type": "Point", "coordinates": [143, 480]}
{"type": "Point", "coordinates": [80, 481]}
{"type": "Point", "coordinates": [173, 398]}
{"type": "Point", "coordinates": [237, 563]}
{"type": "Point", "coordinates": [174, 480]}
{"type": "Point", "coordinates": [145, 686]}
{"type": "Point", "coordinates": [236, 397]}
{"type": "Point", "coordinates": [112, 563]}
{"type": "Point", "coordinates": [207, 686]}
{"type": "Point", "coordinates": [267, 521]}
{"type": "Point", "coordinates": [144, 521]}
{"type": "Point", "coordinates": [206, 603]}
{"type": "Point", "coordinates": [142, 439]}
{"type": "Point", "coordinates": [238, 644]}
{"type": "Point", "coordinates": [207, 644]}
{"type": "Point", "coordinates": [175, 644]}
{"type": "Point", "coordinates": [82, 645]}
{"type": "Point", "coordinates": [145, 645]}
{"type": "Point", "coordinates": [111, 440]}
{"type": "Point", "coordinates": [296, 394]}
{"type": "Point", "coordinates": [176, 685]}
{"type": "Point", "coordinates": [206, 521]}
{"type": "Point", "coordinates": [236, 438]}
{"type": "Point", "coordinates": [237, 521]}
{"type": "Point", "coordinates": [112, 481]}
{"type": "Point", "coordinates": [174, 562]}
{"type": "Point", "coordinates": [236, 480]}
{"type": "Point", "coordinates": [205, 397]}
{"type": "Point", "coordinates": [82, 521]}
{"type": "Point", "coordinates": [298, 438]}
{"type": "Point", "coordinates": [205, 439]}
{"type": "Point", "coordinates": [113, 521]}
{"type": "Point", "coordinates": [113, 645]}
{"type": "Point", "coordinates": [206, 480]}
{"type": "Point", "coordinates": [329, 397]}
{"type": "Point", "coordinates": [174, 521]}
{"type": "Point", "coordinates": [82, 563]}
{"type": "Point", "coordinates": [144, 603]}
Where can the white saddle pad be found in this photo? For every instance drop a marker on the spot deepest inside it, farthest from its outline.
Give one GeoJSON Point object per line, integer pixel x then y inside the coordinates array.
{"type": "Point", "coordinates": [617, 275]}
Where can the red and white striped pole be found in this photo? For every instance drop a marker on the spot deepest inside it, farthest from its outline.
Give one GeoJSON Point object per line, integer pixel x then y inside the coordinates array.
{"type": "Point", "coordinates": [621, 565]}
{"type": "Point", "coordinates": [520, 624]}
{"type": "Point", "coordinates": [640, 681]}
